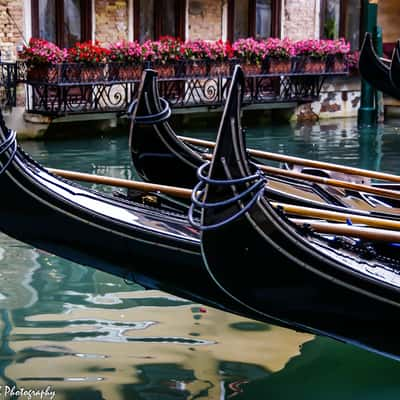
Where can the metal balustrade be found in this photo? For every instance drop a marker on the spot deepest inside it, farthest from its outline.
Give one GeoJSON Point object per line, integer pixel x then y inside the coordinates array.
{"type": "Point", "coordinates": [77, 88]}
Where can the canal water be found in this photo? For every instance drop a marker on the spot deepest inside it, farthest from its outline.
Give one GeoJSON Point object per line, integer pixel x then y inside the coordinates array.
{"type": "Point", "coordinates": [85, 334]}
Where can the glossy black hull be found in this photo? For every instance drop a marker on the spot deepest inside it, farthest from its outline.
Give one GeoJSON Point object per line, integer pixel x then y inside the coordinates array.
{"type": "Point", "coordinates": [157, 154]}
{"type": "Point", "coordinates": [155, 248]}
{"type": "Point", "coordinates": [266, 263]}
{"type": "Point", "coordinates": [160, 156]}
{"type": "Point", "coordinates": [395, 67]}
{"type": "Point", "coordinates": [375, 71]}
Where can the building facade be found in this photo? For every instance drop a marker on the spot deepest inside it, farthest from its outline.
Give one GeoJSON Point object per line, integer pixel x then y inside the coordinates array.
{"type": "Point", "coordinates": [68, 21]}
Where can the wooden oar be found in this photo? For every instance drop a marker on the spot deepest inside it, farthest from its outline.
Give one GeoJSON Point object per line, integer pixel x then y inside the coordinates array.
{"type": "Point", "coordinates": [326, 181]}
{"type": "Point", "coordinates": [337, 216]}
{"type": "Point", "coordinates": [186, 193]}
{"type": "Point", "coordinates": [372, 234]}
{"type": "Point", "coordinates": [303, 161]}
{"type": "Point", "coordinates": [352, 231]}
{"type": "Point", "coordinates": [104, 180]}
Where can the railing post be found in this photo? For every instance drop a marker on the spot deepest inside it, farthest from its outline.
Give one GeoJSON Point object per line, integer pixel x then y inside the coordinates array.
{"type": "Point", "coordinates": [367, 113]}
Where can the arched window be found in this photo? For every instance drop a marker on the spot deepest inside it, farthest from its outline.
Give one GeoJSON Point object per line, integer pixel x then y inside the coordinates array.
{"type": "Point", "coordinates": [253, 18]}
{"type": "Point", "coordinates": [153, 19]}
{"type": "Point", "coordinates": [63, 22]}
{"type": "Point", "coordinates": [341, 18]}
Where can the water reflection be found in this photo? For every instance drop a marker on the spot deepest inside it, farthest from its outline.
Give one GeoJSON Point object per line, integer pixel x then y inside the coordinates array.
{"type": "Point", "coordinates": [90, 335]}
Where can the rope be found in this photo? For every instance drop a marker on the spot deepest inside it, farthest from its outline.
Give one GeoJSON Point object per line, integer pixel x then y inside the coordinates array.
{"type": "Point", "coordinates": [151, 119]}
{"type": "Point", "coordinates": [199, 190]}
{"type": "Point", "coordinates": [10, 141]}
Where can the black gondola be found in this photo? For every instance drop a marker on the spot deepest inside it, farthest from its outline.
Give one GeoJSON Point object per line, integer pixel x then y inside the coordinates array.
{"type": "Point", "coordinates": [395, 66]}
{"type": "Point", "coordinates": [153, 246]}
{"type": "Point", "coordinates": [336, 286]}
{"type": "Point", "coordinates": [157, 154]}
{"type": "Point", "coordinates": [160, 156]}
{"type": "Point", "coordinates": [374, 70]}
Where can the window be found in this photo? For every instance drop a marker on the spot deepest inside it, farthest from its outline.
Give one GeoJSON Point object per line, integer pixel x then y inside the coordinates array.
{"type": "Point", "coordinates": [63, 22]}
{"type": "Point", "coordinates": [153, 19]}
{"type": "Point", "coordinates": [341, 18]}
{"type": "Point", "coordinates": [256, 18]}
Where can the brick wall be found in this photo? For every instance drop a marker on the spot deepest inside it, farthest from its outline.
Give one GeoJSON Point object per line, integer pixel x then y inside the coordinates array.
{"type": "Point", "coordinates": [9, 35]}
{"type": "Point", "coordinates": [388, 18]}
{"type": "Point", "coordinates": [299, 19]}
{"type": "Point", "coordinates": [111, 20]}
{"type": "Point", "coordinates": [205, 19]}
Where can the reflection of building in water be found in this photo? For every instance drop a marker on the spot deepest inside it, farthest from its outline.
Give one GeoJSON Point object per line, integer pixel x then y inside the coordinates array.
{"type": "Point", "coordinates": [82, 331]}
{"type": "Point", "coordinates": [148, 350]}
{"type": "Point", "coordinates": [18, 262]}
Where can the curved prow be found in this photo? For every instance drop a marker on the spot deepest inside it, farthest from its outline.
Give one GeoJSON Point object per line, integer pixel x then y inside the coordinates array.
{"type": "Point", "coordinates": [228, 189]}
{"type": "Point", "coordinates": [230, 144]}
{"type": "Point", "coordinates": [395, 66]}
{"type": "Point", "coordinates": [374, 70]}
{"type": "Point", "coordinates": [157, 154]}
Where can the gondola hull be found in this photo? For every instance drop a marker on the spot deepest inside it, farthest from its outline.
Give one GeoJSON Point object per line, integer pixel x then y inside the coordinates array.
{"type": "Point", "coordinates": [155, 248]}
{"type": "Point", "coordinates": [324, 285]}
{"type": "Point", "coordinates": [375, 71]}
{"type": "Point", "coordinates": [157, 154]}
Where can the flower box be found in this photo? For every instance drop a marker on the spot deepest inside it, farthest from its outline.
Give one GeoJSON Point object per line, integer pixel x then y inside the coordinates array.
{"type": "Point", "coordinates": [279, 65]}
{"type": "Point", "coordinates": [43, 73]}
{"type": "Point", "coordinates": [165, 71]}
{"type": "Point", "coordinates": [124, 72]}
{"type": "Point", "coordinates": [336, 64]}
{"type": "Point", "coordinates": [251, 69]}
{"type": "Point", "coordinates": [314, 65]}
{"type": "Point", "coordinates": [196, 68]}
{"type": "Point", "coordinates": [219, 68]}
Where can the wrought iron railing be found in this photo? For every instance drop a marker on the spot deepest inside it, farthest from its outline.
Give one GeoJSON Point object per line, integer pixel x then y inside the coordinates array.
{"type": "Point", "coordinates": [8, 84]}
{"type": "Point", "coordinates": [77, 88]}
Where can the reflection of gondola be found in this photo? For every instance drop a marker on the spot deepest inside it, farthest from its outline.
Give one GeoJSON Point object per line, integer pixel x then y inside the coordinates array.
{"type": "Point", "coordinates": [374, 70]}
{"type": "Point", "coordinates": [330, 284]}
{"type": "Point", "coordinates": [395, 67]}
{"type": "Point", "coordinates": [160, 156]}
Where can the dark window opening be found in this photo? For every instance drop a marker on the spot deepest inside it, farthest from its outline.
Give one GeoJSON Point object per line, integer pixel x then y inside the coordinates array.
{"type": "Point", "coordinates": [253, 18]}
{"type": "Point", "coordinates": [341, 18]}
{"type": "Point", "coordinates": [63, 22]}
{"type": "Point", "coordinates": [153, 19]}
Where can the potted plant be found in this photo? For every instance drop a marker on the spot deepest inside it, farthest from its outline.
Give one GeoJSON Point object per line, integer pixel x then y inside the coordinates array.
{"type": "Point", "coordinates": [278, 54]}
{"type": "Point", "coordinates": [219, 53]}
{"type": "Point", "coordinates": [43, 60]}
{"type": "Point", "coordinates": [125, 61]}
{"type": "Point", "coordinates": [90, 58]}
{"type": "Point", "coordinates": [337, 51]}
{"type": "Point", "coordinates": [250, 54]}
{"type": "Point", "coordinates": [196, 54]}
{"type": "Point", "coordinates": [311, 56]}
{"type": "Point", "coordinates": [165, 53]}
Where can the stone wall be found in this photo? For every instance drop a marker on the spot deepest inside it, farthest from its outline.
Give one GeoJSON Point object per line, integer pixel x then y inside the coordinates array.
{"type": "Point", "coordinates": [388, 18]}
{"type": "Point", "coordinates": [205, 19]}
{"type": "Point", "coordinates": [111, 19]}
{"type": "Point", "coordinates": [299, 19]}
{"type": "Point", "coordinates": [10, 37]}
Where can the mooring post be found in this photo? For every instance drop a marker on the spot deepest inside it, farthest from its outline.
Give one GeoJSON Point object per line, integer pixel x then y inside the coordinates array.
{"type": "Point", "coordinates": [378, 43]}
{"type": "Point", "coordinates": [367, 113]}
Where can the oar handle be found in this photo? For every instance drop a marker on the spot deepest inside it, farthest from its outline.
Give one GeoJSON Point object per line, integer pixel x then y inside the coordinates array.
{"type": "Point", "coordinates": [303, 161]}
{"type": "Point", "coordinates": [104, 180]}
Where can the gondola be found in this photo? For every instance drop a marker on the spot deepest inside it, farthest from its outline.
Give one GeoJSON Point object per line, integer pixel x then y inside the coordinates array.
{"type": "Point", "coordinates": [154, 246]}
{"type": "Point", "coordinates": [333, 285]}
{"type": "Point", "coordinates": [395, 67]}
{"type": "Point", "coordinates": [160, 156]}
{"type": "Point", "coordinates": [157, 154]}
{"type": "Point", "coordinates": [374, 70]}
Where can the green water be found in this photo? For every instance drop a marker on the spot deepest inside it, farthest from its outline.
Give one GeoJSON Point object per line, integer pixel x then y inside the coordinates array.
{"type": "Point", "coordinates": [88, 335]}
